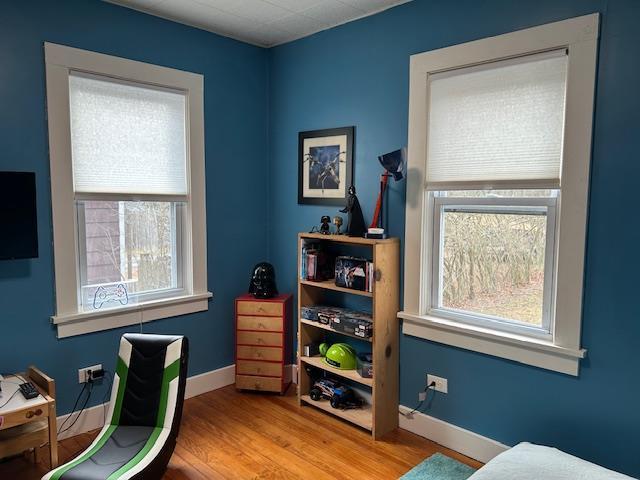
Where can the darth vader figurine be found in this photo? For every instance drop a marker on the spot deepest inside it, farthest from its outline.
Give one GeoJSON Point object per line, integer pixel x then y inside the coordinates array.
{"type": "Point", "coordinates": [355, 224]}
{"type": "Point", "coordinates": [263, 281]}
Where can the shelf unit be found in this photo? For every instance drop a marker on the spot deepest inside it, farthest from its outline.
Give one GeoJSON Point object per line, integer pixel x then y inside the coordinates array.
{"type": "Point", "coordinates": [381, 416]}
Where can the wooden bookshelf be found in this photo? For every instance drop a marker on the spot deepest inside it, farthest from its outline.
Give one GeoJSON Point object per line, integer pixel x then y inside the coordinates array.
{"type": "Point", "coordinates": [381, 416]}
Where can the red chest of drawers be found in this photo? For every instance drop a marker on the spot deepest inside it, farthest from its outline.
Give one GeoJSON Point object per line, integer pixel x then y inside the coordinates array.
{"type": "Point", "coordinates": [263, 343]}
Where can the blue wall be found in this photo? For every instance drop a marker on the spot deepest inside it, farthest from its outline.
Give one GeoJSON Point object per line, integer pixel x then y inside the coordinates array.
{"type": "Point", "coordinates": [236, 139]}
{"type": "Point", "coordinates": [357, 74]}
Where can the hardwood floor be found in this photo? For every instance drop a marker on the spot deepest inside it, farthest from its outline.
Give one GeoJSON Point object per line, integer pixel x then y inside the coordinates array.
{"type": "Point", "coordinates": [226, 434]}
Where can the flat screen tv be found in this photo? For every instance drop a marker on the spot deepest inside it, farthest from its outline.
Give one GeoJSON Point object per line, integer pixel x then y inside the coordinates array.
{"type": "Point", "coordinates": [18, 220]}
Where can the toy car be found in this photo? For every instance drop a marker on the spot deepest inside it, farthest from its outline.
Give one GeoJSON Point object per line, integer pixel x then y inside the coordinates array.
{"type": "Point", "coordinates": [338, 395]}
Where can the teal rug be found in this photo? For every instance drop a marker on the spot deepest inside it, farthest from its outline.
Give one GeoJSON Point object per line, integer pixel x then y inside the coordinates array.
{"type": "Point", "coordinates": [439, 467]}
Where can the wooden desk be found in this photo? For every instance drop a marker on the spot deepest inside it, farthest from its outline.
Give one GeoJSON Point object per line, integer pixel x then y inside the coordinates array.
{"type": "Point", "coordinates": [27, 424]}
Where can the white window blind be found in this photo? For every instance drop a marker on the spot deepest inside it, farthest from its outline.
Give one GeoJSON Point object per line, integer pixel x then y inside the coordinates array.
{"type": "Point", "coordinates": [127, 138]}
{"type": "Point", "coordinates": [498, 124]}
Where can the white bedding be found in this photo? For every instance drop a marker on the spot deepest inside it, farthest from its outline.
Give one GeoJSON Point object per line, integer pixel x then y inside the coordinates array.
{"type": "Point", "coordinates": [533, 462]}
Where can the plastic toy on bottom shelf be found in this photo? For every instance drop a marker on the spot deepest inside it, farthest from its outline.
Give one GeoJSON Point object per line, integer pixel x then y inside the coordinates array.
{"type": "Point", "coordinates": [338, 395]}
{"type": "Point", "coordinates": [326, 387]}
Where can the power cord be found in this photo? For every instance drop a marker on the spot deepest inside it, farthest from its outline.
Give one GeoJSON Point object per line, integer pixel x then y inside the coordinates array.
{"type": "Point", "coordinates": [89, 382]}
{"type": "Point", "coordinates": [84, 387]}
{"type": "Point", "coordinates": [426, 389]}
{"type": "Point", "coordinates": [92, 376]}
{"type": "Point", "coordinates": [9, 399]}
{"type": "Point", "coordinates": [84, 405]}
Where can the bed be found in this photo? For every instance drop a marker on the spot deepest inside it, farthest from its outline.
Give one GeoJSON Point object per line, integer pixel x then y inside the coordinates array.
{"type": "Point", "coordinates": [534, 462]}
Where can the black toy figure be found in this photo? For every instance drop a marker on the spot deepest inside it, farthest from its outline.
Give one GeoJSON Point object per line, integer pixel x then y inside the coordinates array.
{"type": "Point", "coordinates": [325, 229]}
{"type": "Point", "coordinates": [355, 224]}
{"type": "Point", "coordinates": [263, 281]}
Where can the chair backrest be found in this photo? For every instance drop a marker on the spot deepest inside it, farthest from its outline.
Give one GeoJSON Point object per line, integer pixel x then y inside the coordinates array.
{"type": "Point", "coordinates": [150, 380]}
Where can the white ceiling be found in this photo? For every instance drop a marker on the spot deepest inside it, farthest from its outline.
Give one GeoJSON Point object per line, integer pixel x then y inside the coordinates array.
{"type": "Point", "coordinates": [261, 22]}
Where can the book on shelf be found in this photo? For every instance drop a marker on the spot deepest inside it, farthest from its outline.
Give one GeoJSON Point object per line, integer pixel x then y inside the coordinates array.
{"type": "Point", "coordinates": [316, 264]}
{"type": "Point", "coordinates": [355, 273]}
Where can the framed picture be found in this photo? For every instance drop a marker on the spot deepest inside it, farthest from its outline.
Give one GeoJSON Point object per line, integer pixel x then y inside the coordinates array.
{"type": "Point", "coordinates": [325, 166]}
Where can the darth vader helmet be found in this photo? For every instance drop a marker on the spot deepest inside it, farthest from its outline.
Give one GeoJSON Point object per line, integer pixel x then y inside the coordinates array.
{"type": "Point", "coordinates": [263, 281]}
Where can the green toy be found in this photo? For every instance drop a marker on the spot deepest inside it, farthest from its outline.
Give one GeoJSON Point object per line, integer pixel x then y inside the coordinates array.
{"type": "Point", "coordinates": [340, 355]}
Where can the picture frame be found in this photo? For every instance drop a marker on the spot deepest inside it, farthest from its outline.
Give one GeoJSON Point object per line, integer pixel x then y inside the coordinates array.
{"type": "Point", "coordinates": [325, 166]}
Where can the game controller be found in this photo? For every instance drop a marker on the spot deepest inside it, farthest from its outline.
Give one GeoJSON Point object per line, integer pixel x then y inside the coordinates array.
{"type": "Point", "coordinates": [116, 293]}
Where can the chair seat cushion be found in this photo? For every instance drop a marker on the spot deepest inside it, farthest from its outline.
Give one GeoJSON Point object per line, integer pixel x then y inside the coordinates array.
{"type": "Point", "coordinates": [115, 452]}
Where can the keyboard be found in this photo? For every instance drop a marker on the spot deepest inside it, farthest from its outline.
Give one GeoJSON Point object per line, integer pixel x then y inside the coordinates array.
{"type": "Point", "coordinates": [28, 390]}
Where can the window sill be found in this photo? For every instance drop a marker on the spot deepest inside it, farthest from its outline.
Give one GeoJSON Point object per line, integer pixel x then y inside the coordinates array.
{"type": "Point", "coordinates": [86, 322]}
{"type": "Point", "coordinates": [530, 351]}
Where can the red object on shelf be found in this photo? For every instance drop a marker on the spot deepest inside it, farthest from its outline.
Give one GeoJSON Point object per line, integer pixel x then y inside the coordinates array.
{"type": "Point", "coordinates": [264, 342]}
{"type": "Point", "coordinates": [384, 179]}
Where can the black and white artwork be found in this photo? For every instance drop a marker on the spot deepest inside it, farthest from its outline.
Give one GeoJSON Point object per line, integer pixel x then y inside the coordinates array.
{"type": "Point", "coordinates": [325, 165]}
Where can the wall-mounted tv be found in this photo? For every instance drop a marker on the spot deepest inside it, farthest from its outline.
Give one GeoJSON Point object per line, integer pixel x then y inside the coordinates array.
{"type": "Point", "coordinates": [18, 219]}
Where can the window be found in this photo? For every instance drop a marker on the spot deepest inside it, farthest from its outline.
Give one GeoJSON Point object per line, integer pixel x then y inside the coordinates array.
{"type": "Point", "coordinates": [135, 245]}
{"type": "Point", "coordinates": [493, 259]}
{"type": "Point", "coordinates": [127, 166]}
{"type": "Point", "coordinates": [493, 252]}
{"type": "Point", "coordinates": [499, 149]}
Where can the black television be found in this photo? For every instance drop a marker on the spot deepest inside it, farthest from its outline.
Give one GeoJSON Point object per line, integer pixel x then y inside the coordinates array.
{"type": "Point", "coordinates": [18, 219]}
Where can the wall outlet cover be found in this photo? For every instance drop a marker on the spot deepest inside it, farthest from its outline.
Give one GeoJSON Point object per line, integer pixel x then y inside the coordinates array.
{"type": "Point", "coordinates": [83, 372]}
{"type": "Point", "coordinates": [441, 383]}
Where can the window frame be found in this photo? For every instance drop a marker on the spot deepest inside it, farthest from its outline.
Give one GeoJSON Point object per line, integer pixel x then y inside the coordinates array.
{"type": "Point", "coordinates": [563, 352]}
{"type": "Point", "coordinates": [432, 271]}
{"type": "Point", "coordinates": [69, 318]}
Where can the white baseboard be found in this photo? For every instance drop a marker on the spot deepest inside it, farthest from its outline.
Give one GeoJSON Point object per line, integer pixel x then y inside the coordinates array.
{"type": "Point", "coordinates": [93, 418]}
{"type": "Point", "coordinates": [90, 419]}
{"type": "Point", "coordinates": [209, 381]}
{"type": "Point", "coordinates": [451, 436]}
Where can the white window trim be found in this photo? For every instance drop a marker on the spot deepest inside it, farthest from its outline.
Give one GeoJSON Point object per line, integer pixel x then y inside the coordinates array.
{"type": "Point", "coordinates": [60, 61]}
{"type": "Point", "coordinates": [580, 37]}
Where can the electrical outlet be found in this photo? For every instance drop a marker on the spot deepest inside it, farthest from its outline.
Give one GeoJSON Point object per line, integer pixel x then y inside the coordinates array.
{"type": "Point", "coordinates": [441, 383]}
{"type": "Point", "coordinates": [83, 373]}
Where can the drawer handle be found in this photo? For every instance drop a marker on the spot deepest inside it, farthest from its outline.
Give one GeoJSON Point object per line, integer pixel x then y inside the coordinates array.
{"type": "Point", "coordinates": [257, 386]}
{"type": "Point", "coordinates": [261, 340]}
{"type": "Point", "coordinates": [31, 413]}
{"type": "Point", "coordinates": [259, 354]}
{"type": "Point", "coordinates": [261, 326]}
